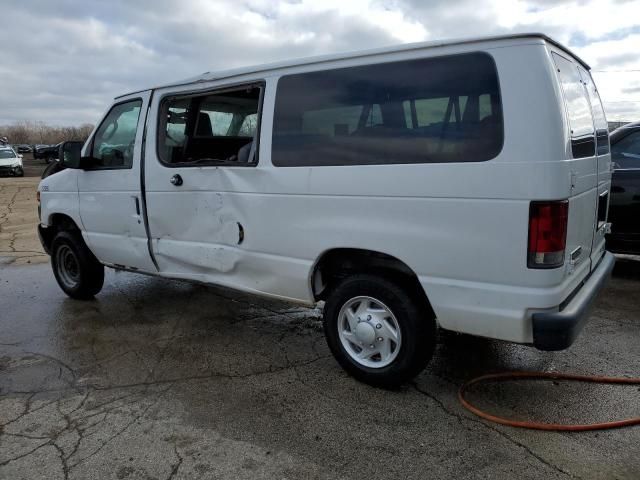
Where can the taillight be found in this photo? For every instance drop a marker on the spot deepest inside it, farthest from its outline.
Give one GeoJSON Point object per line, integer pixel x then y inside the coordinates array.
{"type": "Point", "coordinates": [547, 234]}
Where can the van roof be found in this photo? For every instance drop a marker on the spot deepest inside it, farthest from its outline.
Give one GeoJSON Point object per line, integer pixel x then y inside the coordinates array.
{"type": "Point", "coordinates": [269, 67]}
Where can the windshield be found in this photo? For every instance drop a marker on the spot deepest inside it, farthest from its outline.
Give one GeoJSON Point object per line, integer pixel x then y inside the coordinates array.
{"type": "Point", "coordinates": [6, 153]}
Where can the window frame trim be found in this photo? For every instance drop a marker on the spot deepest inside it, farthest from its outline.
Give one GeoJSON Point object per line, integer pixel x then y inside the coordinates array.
{"type": "Point", "coordinates": [93, 138]}
{"type": "Point", "coordinates": [261, 83]}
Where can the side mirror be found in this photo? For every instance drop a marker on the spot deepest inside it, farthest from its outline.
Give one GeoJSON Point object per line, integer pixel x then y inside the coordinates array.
{"type": "Point", "coordinates": [19, 155]}
{"type": "Point", "coordinates": [69, 154]}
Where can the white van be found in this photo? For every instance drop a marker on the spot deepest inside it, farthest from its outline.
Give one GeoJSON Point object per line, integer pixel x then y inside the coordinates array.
{"type": "Point", "coordinates": [461, 185]}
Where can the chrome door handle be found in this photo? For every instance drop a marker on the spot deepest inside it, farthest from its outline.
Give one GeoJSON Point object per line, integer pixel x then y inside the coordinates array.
{"type": "Point", "coordinates": [176, 180]}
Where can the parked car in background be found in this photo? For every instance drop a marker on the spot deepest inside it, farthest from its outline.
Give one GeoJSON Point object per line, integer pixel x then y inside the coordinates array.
{"type": "Point", "coordinates": [46, 152]}
{"type": "Point", "coordinates": [408, 188]}
{"type": "Point", "coordinates": [10, 162]}
{"type": "Point", "coordinates": [624, 207]}
{"type": "Point", "coordinates": [23, 148]}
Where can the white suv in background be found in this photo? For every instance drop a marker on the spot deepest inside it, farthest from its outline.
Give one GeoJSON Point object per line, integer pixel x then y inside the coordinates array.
{"type": "Point", "coordinates": [460, 185]}
{"type": "Point", "coordinates": [10, 162]}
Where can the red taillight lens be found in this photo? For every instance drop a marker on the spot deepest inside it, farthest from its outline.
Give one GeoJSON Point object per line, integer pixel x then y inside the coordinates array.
{"type": "Point", "coordinates": [547, 234]}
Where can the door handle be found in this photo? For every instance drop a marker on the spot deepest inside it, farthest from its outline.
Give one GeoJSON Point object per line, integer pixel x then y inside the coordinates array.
{"type": "Point", "coordinates": [137, 205]}
{"type": "Point", "coordinates": [176, 180]}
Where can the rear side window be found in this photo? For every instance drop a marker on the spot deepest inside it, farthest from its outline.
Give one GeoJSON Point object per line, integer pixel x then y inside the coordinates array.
{"type": "Point", "coordinates": [444, 109]}
{"type": "Point", "coordinates": [578, 108]}
{"type": "Point", "coordinates": [599, 119]}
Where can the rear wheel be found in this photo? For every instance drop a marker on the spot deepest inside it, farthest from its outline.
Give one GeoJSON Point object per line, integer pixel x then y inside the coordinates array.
{"type": "Point", "coordinates": [377, 331]}
{"type": "Point", "coordinates": [76, 269]}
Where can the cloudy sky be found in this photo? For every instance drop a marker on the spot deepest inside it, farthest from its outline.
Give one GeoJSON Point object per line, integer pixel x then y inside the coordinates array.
{"type": "Point", "coordinates": [62, 61]}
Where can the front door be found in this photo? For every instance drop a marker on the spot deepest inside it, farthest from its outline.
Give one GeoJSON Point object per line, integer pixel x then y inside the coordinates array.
{"type": "Point", "coordinates": [109, 188]}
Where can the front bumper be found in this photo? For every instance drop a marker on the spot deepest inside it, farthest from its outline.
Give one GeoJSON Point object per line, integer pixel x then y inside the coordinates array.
{"type": "Point", "coordinates": [9, 169]}
{"type": "Point", "coordinates": [558, 330]}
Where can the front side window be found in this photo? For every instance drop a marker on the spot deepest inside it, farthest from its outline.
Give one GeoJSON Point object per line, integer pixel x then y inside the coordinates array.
{"type": "Point", "coordinates": [112, 145]}
{"type": "Point", "coordinates": [578, 108]}
{"type": "Point", "coordinates": [210, 129]}
{"type": "Point", "coordinates": [626, 153]}
{"type": "Point", "coordinates": [442, 109]}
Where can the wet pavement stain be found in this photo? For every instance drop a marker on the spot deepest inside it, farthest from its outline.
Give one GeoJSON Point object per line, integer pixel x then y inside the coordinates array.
{"type": "Point", "coordinates": [163, 379]}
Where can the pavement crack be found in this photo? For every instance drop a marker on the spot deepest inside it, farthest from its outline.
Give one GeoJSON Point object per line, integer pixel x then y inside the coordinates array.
{"type": "Point", "coordinates": [176, 466]}
{"type": "Point", "coordinates": [26, 454]}
{"type": "Point", "coordinates": [124, 429]}
{"type": "Point", "coordinates": [63, 460]}
{"type": "Point", "coordinates": [461, 418]}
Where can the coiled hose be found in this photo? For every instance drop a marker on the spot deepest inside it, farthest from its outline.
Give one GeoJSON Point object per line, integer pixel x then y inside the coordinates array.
{"type": "Point", "coordinates": [557, 427]}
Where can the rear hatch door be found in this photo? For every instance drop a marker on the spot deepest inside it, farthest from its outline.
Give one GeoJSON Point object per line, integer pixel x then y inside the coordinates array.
{"type": "Point", "coordinates": [584, 169]}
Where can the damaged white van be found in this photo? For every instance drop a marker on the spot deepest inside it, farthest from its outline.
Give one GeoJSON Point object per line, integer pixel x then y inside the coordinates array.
{"type": "Point", "coordinates": [460, 185]}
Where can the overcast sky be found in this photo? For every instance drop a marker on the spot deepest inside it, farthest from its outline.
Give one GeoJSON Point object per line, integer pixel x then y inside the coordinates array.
{"type": "Point", "coordinates": [63, 61]}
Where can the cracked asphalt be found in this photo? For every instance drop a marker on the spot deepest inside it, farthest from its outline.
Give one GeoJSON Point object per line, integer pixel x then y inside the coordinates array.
{"type": "Point", "coordinates": [19, 243]}
{"type": "Point", "coordinates": [159, 379]}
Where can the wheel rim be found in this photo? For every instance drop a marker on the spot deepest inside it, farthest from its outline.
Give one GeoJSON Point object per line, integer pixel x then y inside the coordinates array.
{"type": "Point", "coordinates": [68, 266]}
{"type": "Point", "coordinates": [369, 332]}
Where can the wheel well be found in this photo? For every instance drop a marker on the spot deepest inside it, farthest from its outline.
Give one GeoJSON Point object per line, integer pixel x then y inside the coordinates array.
{"type": "Point", "coordinates": [58, 222]}
{"type": "Point", "coordinates": [61, 222]}
{"type": "Point", "coordinates": [337, 264]}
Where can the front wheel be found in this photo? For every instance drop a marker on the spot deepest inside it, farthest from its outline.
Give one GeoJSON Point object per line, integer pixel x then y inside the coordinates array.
{"type": "Point", "coordinates": [76, 269]}
{"type": "Point", "coordinates": [18, 172]}
{"type": "Point", "coordinates": [378, 332]}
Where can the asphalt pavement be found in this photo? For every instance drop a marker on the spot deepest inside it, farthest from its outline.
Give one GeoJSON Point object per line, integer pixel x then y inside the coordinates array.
{"type": "Point", "coordinates": [164, 379]}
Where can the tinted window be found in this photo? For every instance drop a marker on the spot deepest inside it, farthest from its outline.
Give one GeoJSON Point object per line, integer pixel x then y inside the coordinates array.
{"type": "Point", "coordinates": [218, 127]}
{"type": "Point", "coordinates": [599, 119]}
{"type": "Point", "coordinates": [578, 108]}
{"type": "Point", "coordinates": [626, 152]}
{"type": "Point", "coordinates": [115, 137]}
{"type": "Point", "coordinates": [444, 109]}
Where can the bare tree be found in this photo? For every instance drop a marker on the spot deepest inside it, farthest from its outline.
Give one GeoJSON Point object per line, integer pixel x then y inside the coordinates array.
{"type": "Point", "coordinates": [31, 133]}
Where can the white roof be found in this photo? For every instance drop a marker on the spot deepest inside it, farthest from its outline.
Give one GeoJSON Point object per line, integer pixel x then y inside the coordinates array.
{"type": "Point", "coordinates": [209, 76]}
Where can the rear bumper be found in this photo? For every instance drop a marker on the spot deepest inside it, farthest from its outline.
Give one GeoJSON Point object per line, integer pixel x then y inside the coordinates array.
{"type": "Point", "coordinates": [558, 330]}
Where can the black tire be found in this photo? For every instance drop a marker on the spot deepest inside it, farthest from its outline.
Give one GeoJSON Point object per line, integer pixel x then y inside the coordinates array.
{"type": "Point", "coordinates": [19, 172]}
{"type": "Point", "coordinates": [76, 269]}
{"type": "Point", "coordinates": [416, 323]}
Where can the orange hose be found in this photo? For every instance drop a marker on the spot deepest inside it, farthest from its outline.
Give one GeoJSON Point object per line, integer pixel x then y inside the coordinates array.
{"type": "Point", "coordinates": [558, 427]}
